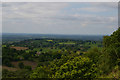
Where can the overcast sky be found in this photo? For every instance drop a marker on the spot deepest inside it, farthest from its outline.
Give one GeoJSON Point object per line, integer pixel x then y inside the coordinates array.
{"type": "Point", "coordinates": [60, 18]}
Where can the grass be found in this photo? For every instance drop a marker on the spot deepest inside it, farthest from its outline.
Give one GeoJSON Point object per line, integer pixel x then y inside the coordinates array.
{"type": "Point", "coordinates": [49, 40]}
{"type": "Point", "coordinates": [3, 45]}
{"type": "Point", "coordinates": [67, 43]}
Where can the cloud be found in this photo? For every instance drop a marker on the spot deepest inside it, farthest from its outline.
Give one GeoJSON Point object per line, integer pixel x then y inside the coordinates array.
{"type": "Point", "coordinates": [31, 10]}
{"type": "Point", "coordinates": [90, 9]}
{"type": "Point", "coordinates": [58, 18]}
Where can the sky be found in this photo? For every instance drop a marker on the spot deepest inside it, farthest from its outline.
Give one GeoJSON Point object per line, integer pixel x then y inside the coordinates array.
{"type": "Point", "coordinates": [88, 18]}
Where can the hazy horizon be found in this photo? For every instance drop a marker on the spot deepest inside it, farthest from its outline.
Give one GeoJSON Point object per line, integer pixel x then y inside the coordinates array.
{"type": "Point", "coordinates": [57, 34]}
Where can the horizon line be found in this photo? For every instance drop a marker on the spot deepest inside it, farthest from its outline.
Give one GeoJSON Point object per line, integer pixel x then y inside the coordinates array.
{"type": "Point", "coordinates": [56, 34]}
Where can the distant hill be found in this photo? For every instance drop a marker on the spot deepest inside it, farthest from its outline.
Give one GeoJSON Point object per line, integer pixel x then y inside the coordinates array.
{"type": "Point", "coordinates": [22, 36]}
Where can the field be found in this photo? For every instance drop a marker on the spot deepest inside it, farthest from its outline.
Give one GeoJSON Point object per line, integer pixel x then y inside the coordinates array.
{"type": "Point", "coordinates": [19, 48]}
{"type": "Point", "coordinates": [50, 40]}
{"type": "Point", "coordinates": [68, 43]}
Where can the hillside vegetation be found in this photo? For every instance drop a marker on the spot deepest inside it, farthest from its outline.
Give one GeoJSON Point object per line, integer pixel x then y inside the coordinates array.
{"type": "Point", "coordinates": [97, 62]}
{"type": "Point", "coordinates": [72, 59]}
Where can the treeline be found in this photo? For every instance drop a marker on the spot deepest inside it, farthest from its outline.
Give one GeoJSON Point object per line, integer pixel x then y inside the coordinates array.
{"type": "Point", "coordinates": [55, 43]}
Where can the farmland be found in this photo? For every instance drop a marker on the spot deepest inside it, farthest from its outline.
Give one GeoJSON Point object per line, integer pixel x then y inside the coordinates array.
{"type": "Point", "coordinates": [19, 48]}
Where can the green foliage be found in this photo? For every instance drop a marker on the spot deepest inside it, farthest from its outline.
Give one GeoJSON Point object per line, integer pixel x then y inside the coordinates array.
{"type": "Point", "coordinates": [7, 63]}
{"type": "Point", "coordinates": [28, 67]}
{"type": "Point", "coordinates": [110, 53]}
{"type": "Point", "coordinates": [6, 74]}
{"type": "Point", "coordinates": [78, 67]}
{"type": "Point", "coordinates": [67, 67]}
{"type": "Point", "coordinates": [59, 58]}
{"type": "Point", "coordinates": [106, 41]}
{"type": "Point", "coordinates": [9, 55]}
{"type": "Point", "coordinates": [106, 58]}
{"type": "Point", "coordinates": [49, 56]}
{"type": "Point", "coordinates": [112, 46]}
{"type": "Point", "coordinates": [94, 54]}
{"type": "Point", "coordinates": [21, 65]}
{"type": "Point", "coordinates": [24, 73]}
{"type": "Point", "coordinates": [40, 72]}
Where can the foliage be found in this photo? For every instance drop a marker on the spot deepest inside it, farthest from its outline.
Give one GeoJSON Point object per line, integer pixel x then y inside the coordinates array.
{"type": "Point", "coordinates": [28, 67]}
{"type": "Point", "coordinates": [94, 54]}
{"type": "Point", "coordinates": [72, 67]}
{"type": "Point", "coordinates": [24, 73]}
{"type": "Point", "coordinates": [112, 47]}
{"type": "Point", "coordinates": [78, 67]}
{"type": "Point", "coordinates": [40, 72]}
{"type": "Point", "coordinates": [62, 58]}
{"type": "Point", "coordinates": [21, 65]}
{"type": "Point", "coordinates": [7, 63]}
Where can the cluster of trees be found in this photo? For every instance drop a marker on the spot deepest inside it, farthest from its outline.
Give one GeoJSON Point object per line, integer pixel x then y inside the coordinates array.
{"type": "Point", "coordinates": [9, 55]}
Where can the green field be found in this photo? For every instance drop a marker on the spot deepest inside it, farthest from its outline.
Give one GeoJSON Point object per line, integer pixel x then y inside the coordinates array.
{"type": "Point", "coordinates": [71, 43]}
